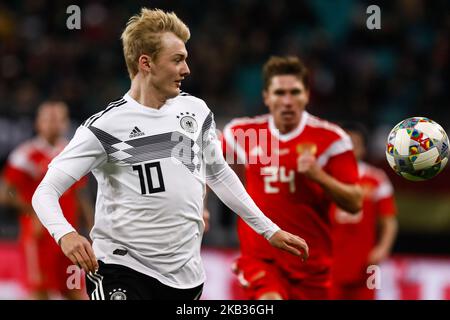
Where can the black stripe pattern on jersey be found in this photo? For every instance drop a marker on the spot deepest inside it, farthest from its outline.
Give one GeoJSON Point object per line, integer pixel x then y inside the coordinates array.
{"type": "Point", "coordinates": [205, 129]}
{"type": "Point", "coordinates": [160, 146]}
{"type": "Point", "coordinates": [202, 139]}
{"type": "Point", "coordinates": [106, 140]}
{"type": "Point", "coordinates": [111, 105]}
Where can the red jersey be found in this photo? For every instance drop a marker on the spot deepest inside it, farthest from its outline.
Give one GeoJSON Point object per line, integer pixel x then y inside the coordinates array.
{"type": "Point", "coordinates": [44, 261]}
{"type": "Point", "coordinates": [354, 236]}
{"type": "Point", "coordinates": [27, 166]}
{"type": "Point", "coordinates": [291, 200]}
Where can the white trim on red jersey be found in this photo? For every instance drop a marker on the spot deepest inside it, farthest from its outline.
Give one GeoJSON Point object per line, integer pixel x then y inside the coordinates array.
{"type": "Point", "coordinates": [229, 136]}
{"type": "Point", "coordinates": [316, 122]}
{"type": "Point", "coordinates": [340, 146]}
{"type": "Point", "coordinates": [384, 189]}
{"type": "Point", "coordinates": [232, 146]}
{"type": "Point", "coordinates": [20, 157]}
{"type": "Point", "coordinates": [290, 135]}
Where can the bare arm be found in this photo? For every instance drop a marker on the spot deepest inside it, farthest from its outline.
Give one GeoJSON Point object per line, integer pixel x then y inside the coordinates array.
{"type": "Point", "coordinates": [347, 196]}
{"type": "Point", "coordinates": [10, 197]}
{"type": "Point", "coordinates": [388, 233]}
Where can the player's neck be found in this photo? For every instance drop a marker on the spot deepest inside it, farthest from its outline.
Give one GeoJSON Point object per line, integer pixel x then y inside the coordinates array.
{"type": "Point", "coordinates": [145, 94]}
{"type": "Point", "coordinates": [285, 128]}
{"type": "Point", "coordinates": [52, 141]}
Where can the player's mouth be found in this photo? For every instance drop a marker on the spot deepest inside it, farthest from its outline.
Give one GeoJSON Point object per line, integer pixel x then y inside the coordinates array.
{"type": "Point", "coordinates": [287, 114]}
{"type": "Point", "coordinates": [178, 83]}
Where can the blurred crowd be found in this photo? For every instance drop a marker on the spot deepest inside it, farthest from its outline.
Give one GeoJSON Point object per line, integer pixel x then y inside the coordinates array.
{"type": "Point", "coordinates": [376, 76]}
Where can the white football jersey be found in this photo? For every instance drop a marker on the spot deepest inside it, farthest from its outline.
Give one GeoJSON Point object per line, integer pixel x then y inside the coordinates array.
{"type": "Point", "coordinates": [150, 170]}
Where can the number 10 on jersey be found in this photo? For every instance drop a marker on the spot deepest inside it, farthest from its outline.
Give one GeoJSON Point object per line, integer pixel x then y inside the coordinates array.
{"type": "Point", "coordinates": [150, 177]}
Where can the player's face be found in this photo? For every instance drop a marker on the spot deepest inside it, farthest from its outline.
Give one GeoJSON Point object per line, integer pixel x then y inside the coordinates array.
{"type": "Point", "coordinates": [52, 122]}
{"type": "Point", "coordinates": [286, 98]}
{"type": "Point", "coordinates": [358, 144]}
{"type": "Point", "coordinates": [170, 67]}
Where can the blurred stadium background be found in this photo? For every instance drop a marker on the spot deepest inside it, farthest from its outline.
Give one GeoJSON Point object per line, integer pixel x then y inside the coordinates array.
{"type": "Point", "coordinates": [378, 77]}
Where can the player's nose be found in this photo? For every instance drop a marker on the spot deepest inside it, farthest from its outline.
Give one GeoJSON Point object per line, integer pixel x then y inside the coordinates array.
{"type": "Point", "coordinates": [185, 70]}
{"type": "Point", "coordinates": [287, 101]}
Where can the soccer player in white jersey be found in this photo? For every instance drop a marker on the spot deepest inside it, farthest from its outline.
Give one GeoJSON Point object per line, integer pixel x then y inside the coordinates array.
{"type": "Point", "coordinates": [152, 152]}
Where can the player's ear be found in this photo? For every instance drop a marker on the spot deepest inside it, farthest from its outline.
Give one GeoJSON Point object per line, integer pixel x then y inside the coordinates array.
{"type": "Point", "coordinates": [144, 62]}
{"type": "Point", "coordinates": [307, 91]}
{"type": "Point", "coordinates": [265, 95]}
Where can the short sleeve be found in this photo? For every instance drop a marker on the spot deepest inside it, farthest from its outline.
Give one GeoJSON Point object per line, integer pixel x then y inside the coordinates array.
{"type": "Point", "coordinates": [232, 151]}
{"type": "Point", "coordinates": [386, 207]}
{"type": "Point", "coordinates": [83, 154]}
{"type": "Point", "coordinates": [343, 167]}
{"type": "Point", "coordinates": [15, 176]}
{"type": "Point", "coordinates": [384, 197]}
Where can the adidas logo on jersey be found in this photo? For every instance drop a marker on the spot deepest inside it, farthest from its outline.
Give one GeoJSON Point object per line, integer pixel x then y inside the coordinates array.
{"type": "Point", "coordinates": [136, 133]}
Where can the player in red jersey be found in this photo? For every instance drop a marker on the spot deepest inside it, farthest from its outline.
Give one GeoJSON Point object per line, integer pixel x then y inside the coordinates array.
{"type": "Point", "coordinates": [46, 265]}
{"type": "Point", "coordinates": [295, 166]}
{"type": "Point", "coordinates": [355, 243]}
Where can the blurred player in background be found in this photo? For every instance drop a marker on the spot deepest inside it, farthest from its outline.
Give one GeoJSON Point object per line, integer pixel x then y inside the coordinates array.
{"type": "Point", "coordinates": [46, 265]}
{"type": "Point", "coordinates": [316, 167]}
{"type": "Point", "coordinates": [356, 244]}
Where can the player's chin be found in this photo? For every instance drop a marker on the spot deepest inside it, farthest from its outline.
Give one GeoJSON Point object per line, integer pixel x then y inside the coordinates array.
{"type": "Point", "coordinates": [173, 92]}
{"type": "Point", "coordinates": [288, 119]}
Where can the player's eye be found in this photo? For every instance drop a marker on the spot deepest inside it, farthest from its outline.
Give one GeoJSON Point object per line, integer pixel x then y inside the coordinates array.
{"type": "Point", "coordinates": [279, 92]}
{"type": "Point", "coordinates": [296, 92]}
{"type": "Point", "coordinates": [179, 58]}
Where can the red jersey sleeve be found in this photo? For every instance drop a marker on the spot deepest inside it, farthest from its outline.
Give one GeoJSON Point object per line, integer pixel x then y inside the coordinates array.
{"type": "Point", "coordinates": [384, 197]}
{"type": "Point", "coordinates": [19, 180]}
{"type": "Point", "coordinates": [231, 149]}
{"type": "Point", "coordinates": [387, 207]}
{"type": "Point", "coordinates": [15, 176]}
{"type": "Point", "coordinates": [343, 167]}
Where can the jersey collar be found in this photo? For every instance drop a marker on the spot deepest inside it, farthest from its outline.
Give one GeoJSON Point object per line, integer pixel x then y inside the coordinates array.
{"type": "Point", "coordinates": [136, 104]}
{"type": "Point", "coordinates": [290, 135]}
{"type": "Point", "coordinates": [43, 145]}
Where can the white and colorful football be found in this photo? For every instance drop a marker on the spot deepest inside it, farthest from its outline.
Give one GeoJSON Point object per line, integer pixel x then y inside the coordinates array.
{"type": "Point", "coordinates": [417, 148]}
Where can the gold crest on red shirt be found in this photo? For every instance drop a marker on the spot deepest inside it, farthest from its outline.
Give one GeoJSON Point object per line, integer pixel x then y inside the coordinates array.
{"type": "Point", "coordinates": [310, 148]}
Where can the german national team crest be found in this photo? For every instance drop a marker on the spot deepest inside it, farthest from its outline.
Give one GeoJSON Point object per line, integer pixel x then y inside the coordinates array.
{"type": "Point", "coordinates": [188, 122]}
{"type": "Point", "coordinates": [118, 294]}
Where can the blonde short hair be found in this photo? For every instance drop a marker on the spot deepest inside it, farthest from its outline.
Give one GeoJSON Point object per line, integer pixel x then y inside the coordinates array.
{"type": "Point", "coordinates": [142, 35]}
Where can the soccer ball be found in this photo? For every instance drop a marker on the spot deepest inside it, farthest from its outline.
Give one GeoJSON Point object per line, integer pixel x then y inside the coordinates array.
{"type": "Point", "coordinates": [417, 148]}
